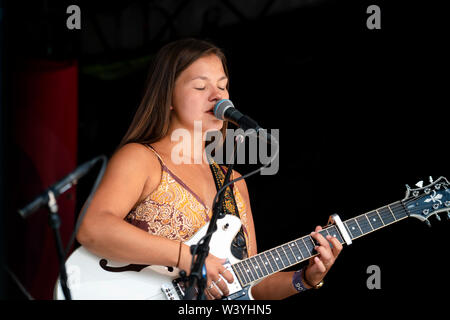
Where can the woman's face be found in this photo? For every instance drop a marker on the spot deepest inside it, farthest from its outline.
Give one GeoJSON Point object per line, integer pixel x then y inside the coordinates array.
{"type": "Point", "coordinates": [197, 90]}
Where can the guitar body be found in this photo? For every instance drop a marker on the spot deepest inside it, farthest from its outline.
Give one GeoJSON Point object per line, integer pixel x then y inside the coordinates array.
{"type": "Point", "coordinates": [91, 277]}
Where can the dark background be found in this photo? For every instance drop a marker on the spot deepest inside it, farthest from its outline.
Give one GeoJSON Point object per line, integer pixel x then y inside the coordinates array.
{"type": "Point", "coordinates": [361, 113]}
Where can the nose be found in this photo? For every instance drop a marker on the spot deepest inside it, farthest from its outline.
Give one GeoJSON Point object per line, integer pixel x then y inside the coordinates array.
{"type": "Point", "coordinates": [216, 95]}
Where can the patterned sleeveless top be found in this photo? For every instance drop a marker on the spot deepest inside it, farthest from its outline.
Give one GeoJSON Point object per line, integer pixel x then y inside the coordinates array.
{"type": "Point", "coordinates": [175, 212]}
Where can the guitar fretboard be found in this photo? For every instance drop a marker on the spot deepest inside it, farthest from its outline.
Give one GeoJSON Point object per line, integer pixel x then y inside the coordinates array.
{"type": "Point", "coordinates": [299, 250]}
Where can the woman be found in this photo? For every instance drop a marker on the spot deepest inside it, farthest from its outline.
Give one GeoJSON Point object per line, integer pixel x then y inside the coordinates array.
{"type": "Point", "coordinates": [148, 204]}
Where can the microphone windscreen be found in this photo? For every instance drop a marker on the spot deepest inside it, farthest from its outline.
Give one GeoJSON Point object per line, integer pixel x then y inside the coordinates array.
{"type": "Point", "coordinates": [221, 106]}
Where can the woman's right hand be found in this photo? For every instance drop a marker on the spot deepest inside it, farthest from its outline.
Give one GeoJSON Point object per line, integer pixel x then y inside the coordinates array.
{"type": "Point", "coordinates": [216, 274]}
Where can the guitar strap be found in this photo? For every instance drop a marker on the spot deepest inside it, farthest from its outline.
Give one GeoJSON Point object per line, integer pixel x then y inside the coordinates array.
{"type": "Point", "coordinates": [239, 245]}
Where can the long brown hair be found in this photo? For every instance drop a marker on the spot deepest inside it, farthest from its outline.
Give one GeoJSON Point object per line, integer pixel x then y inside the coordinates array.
{"type": "Point", "coordinates": [151, 120]}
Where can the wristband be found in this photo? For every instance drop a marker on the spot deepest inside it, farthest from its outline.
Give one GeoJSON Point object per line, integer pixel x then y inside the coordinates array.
{"type": "Point", "coordinates": [297, 280]}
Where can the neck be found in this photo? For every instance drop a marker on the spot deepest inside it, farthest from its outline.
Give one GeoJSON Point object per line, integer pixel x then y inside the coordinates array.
{"type": "Point", "coordinates": [299, 250]}
{"type": "Point", "coordinates": [185, 145]}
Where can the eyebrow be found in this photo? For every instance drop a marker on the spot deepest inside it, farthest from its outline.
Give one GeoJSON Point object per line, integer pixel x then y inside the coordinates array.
{"type": "Point", "coordinates": [206, 78]}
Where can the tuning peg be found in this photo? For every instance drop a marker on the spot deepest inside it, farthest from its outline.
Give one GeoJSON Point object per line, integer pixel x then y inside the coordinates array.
{"type": "Point", "coordinates": [431, 179]}
{"type": "Point", "coordinates": [438, 218]}
{"type": "Point", "coordinates": [448, 215]}
{"type": "Point", "coordinates": [420, 184]}
{"type": "Point", "coordinates": [428, 223]}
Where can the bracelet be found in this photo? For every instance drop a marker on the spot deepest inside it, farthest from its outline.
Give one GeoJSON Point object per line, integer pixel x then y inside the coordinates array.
{"type": "Point", "coordinates": [317, 286]}
{"type": "Point", "coordinates": [179, 255]}
{"type": "Point", "coordinates": [297, 280]}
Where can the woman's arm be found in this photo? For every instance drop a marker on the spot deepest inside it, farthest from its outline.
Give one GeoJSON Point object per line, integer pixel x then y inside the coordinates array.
{"type": "Point", "coordinates": [279, 285]}
{"type": "Point", "coordinates": [132, 173]}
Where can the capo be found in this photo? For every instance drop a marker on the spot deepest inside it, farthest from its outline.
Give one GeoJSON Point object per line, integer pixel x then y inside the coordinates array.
{"type": "Point", "coordinates": [335, 219]}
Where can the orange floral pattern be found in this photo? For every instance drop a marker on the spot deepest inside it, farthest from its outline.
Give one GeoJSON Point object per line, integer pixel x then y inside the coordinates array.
{"type": "Point", "coordinates": [173, 211]}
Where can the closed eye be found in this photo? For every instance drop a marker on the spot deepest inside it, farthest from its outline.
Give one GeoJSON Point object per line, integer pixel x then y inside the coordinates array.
{"type": "Point", "coordinates": [205, 88]}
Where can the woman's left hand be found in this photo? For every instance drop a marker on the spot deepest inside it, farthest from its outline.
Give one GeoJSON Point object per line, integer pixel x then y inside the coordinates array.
{"type": "Point", "coordinates": [321, 264]}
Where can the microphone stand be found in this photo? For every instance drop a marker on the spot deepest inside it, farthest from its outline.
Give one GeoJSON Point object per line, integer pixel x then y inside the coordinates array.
{"type": "Point", "coordinates": [197, 277]}
{"type": "Point", "coordinates": [48, 198]}
{"type": "Point", "coordinates": [55, 222]}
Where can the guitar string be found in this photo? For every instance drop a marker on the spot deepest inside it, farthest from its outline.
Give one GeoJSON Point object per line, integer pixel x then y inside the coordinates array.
{"type": "Point", "coordinates": [288, 257]}
{"type": "Point", "coordinates": [394, 207]}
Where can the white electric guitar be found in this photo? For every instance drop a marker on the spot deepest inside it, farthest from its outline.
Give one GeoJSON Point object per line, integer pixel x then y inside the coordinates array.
{"type": "Point", "coordinates": [91, 277]}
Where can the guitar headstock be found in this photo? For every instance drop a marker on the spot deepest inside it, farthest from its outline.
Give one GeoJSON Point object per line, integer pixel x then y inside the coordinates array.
{"type": "Point", "coordinates": [424, 202]}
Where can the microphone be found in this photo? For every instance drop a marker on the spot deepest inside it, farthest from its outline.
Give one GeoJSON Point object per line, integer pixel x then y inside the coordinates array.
{"type": "Point", "coordinates": [58, 188]}
{"type": "Point", "coordinates": [225, 110]}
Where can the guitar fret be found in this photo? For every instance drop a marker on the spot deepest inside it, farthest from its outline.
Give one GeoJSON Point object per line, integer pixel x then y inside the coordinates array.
{"type": "Point", "coordinates": [249, 271]}
{"type": "Point", "coordinates": [398, 210]}
{"type": "Point", "coordinates": [364, 224]}
{"type": "Point", "coordinates": [374, 220]}
{"type": "Point", "coordinates": [269, 262]}
{"type": "Point", "coordinates": [348, 230]}
{"type": "Point", "coordinates": [244, 278]}
{"type": "Point", "coordinates": [332, 234]}
{"type": "Point", "coordinates": [302, 246]}
{"type": "Point", "coordinates": [275, 260]}
{"type": "Point", "coordinates": [393, 216]}
{"type": "Point", "coordinates": [255, 266]}
{"type": "Point", "coordinates": [335, 233]}
{"type": "Point", "coordinates": [323, 232]}
{"type": "Point", "coordinates": [359, 227]}
{"type": "Point", "coordinates": [309, 243]}
{"type": "Point", "coordinates": [296, 251]}
{"type": "Point", "coordinates": [283, 257]}
{"type": "Point", "coordinates": [280, 259]}
{"type": "Point", "coordinates": [386, 215]}
{"type": "Point", "coordinates": [290, 254]}
{"type": "Point", "coordinates": [353, 228]}
{"type": "Point", "coordinates": [236, 272]}
{"type": "Point", "coordinates": [261, 265]}
{"type": "Point", "coordinates": [245, 273]}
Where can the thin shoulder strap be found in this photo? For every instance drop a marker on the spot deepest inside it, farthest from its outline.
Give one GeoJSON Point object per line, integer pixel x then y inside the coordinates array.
{"type": "Point", "coordinates": [156, 153]}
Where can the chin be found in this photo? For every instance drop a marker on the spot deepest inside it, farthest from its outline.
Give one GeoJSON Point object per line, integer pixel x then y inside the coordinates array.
{"type": "Point", "coordinates": [212, 125]}
{"type": "Point", "coordinates": [212, 129]}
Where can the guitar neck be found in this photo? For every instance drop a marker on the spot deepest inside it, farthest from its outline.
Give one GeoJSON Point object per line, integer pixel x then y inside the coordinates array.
{"type": "Point", "coordinates": [301, 249]}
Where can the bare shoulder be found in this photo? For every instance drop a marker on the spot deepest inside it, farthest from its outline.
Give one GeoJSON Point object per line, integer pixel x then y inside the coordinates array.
{"type": "Point", "coordinates": [139, 160]}
{"type": "Point", "coordinates": [132, 172]}
{"type": "Point", "coordinates": [135, 154]}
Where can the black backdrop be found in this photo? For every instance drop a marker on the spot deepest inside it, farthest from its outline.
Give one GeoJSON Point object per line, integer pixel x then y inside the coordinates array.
{"type": "Point", "coordinates": [360, 112]}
